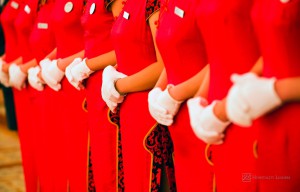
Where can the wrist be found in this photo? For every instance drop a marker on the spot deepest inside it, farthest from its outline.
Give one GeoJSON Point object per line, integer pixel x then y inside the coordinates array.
{"type": "Point", "coordinates": [220, 112]}
{"type": "Point", "coordinates": [173, 95]}
{"type": "Point", "coordinates": [59, 65]}
{"type": "Point", "coordinates": [118, 87]}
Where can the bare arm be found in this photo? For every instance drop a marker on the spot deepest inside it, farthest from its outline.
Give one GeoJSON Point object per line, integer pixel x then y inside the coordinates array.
{"type": "Point", "coordinates": [146, 78]}
{"type": "Point", "coordinates": [101, 61]}
{"type": "Point", "coordinates": [63, 63]}
{"type": "Point", "coordinates": [5, 66]}
{"type": "Point", "coordinates": [52, 54]}
{"type": "Point", "coordinates": [288, 89]}
{"type": "Point", "coordinates": [189, 88]}
{"type": "Point", "coordinates": [162, 80]}
{"type": "Point", "coordinates": [28, 65]}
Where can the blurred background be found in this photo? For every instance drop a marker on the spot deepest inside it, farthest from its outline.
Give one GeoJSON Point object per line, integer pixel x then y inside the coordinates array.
{"type": "Point", "coordinates": [11, 173]}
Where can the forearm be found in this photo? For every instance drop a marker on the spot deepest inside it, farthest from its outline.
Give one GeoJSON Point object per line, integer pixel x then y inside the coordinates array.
{"type": "Point", "coordinates": [140, 81]}
{"type": "Point", "coordinates": [28, 65]}
{"type": "Point", "coordinates": [288, 89]}
{"type": "Point", "coordinates": [162, 80]}
{"type": "Point", "coordinates": [17, 61]}
{"type": "Point", "coordinates": [63, 63]}
{"type": "Point", "coordinates": [258, 67]}
{"type": "Point", "coordinates": [188, 89]}
{"type": "Point", "coordinates": [52, 54]}
{"type": "Point", "coordinates": [101, 61]}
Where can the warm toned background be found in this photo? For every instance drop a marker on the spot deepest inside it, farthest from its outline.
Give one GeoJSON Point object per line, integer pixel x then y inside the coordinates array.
{"type": "Point", "coordinates": [11, 173]}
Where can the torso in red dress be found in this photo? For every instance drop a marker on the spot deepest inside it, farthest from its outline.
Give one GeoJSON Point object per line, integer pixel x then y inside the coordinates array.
{"type": "Point", "coordinates": [134, 47]}
{"type": "Point", "coordinates": [8, 17]}
{"type": "Point", "coordinates": [232, 48]}
{"type": "Point", "coordinates": [278, 27]}
{"type": "Point", "coordinates": [24, 24]}
{"type": "Point", "coordinates": [67, 27]}
{"type": "Point", "coordinates": [97, 22]}
{"type": "Point", "coordinates": [182, 48]}
{"type": "Point", "coordinates": [42, 40]}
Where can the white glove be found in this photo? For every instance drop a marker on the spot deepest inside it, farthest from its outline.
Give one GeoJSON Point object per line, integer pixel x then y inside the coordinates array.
{"type": "Point", "coordinates": [158, 112]}
{"type": "Point", "coordinates": [43, 65]}
{"type": "Point", "coordinates": [204, 122]}
{"type": "Point", "coordinates": [77, 71]}
{"type": "Point", "coordinates": [108, 91]}
{"type": "Point", "coordinates": [33, 78]}
{"type": "Point", "coordinates": [52, 75]}
{"type": "Point", "coordinates": [250, 97]}
{"type": "Point", "coordinates": [16, 76]}
{"type": "Point", "coordinates": [166, 101]}
{"type": "Point", "coordinates": [4, 78]}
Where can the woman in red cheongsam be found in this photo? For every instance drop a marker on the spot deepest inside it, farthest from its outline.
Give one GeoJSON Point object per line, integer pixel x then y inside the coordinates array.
{"type": "Point", "coordinates": [231, 48]}
{"type": "Point", "coordinates": [41, 43]}
{"type": "Point", "coordinates": [183, 51]}
{"type": "Point", "coordinates": [146, 146]}
{"type": "Point", "coordinates": [17, 25]}
{"type": "Point", "coordinates": [97, 21]}
{"type": "Point", "coordinates": [273, 98]}
{"type": "Point", "coordinates": [69, 118]}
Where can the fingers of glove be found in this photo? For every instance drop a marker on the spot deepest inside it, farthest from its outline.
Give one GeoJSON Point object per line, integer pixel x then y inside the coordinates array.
{"type": "Point", "coordinates": [112, 106]}
{"type": "Point", "coordinates": [69, 75]}
{"type": "Point", "coordinates": [236, 113]}
{"type": "Point", "coordinates": [166, 122]}
{"type": "Point", "coordinates": [55, 87]}
{"type": "Point", "coordinates": [210, 137]}
{"type": "Point", "coordinates": [235, 96]}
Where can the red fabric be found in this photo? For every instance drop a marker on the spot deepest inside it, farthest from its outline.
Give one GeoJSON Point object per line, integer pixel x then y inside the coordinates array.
{"type": "Point", "coordinates": [8, 17]}
{"type": "Point", "coordinates": [277, 27]}
{"type": "Point", "coordinates": [68, 28]}
{"type": "Point", "coordinates": [232, 48]}
{"type": "Point", "coordinates": [103, 134]}
{"type": "Point", "coordinates": [24, 24]}
{"type": "Point", "coordinates": [134, 48]}
{"type": "Point", "coordinates": [27, 128]}
{"type": "Point", "coordinates": [41, 44]}
{"type": "Point", "coordinates": [181, 46]}
{"type": "Point", "coordinates": [70, 118]}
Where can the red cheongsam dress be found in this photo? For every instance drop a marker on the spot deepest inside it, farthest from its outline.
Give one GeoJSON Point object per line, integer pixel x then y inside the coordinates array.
{"type": "Point", "coordinates": [277, 24]}
{"type": "Point", "coordinates": [146, 146]}
{"type": "Point", "coordinates": [42, 43]}
{"type": "Point", "coordinates": [12, 52]}
{"type": "Point", "coordinates": [97, 22]}
{"type": "Point", "coordinates": [23, 25]}
{"type": "Point", "coordinates": [72, 126]}
{"type": "Point", "coordinates": [181, 46]}
{"type": "Point", "coordinates": [231, 48]}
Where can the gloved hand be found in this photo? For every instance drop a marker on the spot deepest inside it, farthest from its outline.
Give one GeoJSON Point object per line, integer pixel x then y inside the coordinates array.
{"type": "Point", "coordinates": [43, 65]}
{"type": "Point", "coordinates": [204, 122]}
{"type": "Point", "coordinates": [4, 78]}
{"type": "Point", "coordinates": [33, 78]}
{"type": "Point", "coordinates": [52, 75]}
{"type": "Point", "coordinates": [77, 71]}
{"type": "Point", "coordinates": [250, 97]}
{"type": "Point", "coordinates": [158, 112]}
{"type": "Point", "coordinates": [108, 91]}
{"type": "Point", "coordinates": [16, 76]}
{"type": "Point", "coordinates": [166, 101]}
